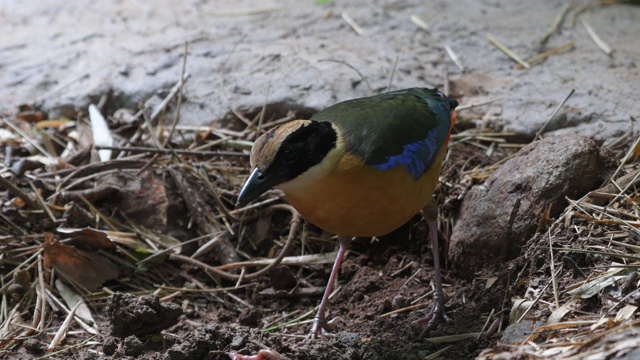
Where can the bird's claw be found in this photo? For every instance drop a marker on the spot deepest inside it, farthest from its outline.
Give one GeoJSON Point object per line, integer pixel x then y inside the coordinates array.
{"type": "Point", "coordinates": [265, 354]}
{"type": "Point", "coordinates": [320, 327]}
{"type": "Point", "coordinates": [433, 318]}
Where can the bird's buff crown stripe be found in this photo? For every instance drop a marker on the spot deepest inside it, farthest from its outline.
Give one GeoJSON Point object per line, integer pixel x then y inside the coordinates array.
{"type": "Point", "coordinates": [417, 157]}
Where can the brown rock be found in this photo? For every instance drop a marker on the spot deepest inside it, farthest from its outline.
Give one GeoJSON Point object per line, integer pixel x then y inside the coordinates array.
{"type": "Point", "coordinates": [542, 174]}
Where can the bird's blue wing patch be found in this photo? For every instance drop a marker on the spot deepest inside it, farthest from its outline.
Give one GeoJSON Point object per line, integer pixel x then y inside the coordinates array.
{"type": "Point", "coordinates": [417, 157]}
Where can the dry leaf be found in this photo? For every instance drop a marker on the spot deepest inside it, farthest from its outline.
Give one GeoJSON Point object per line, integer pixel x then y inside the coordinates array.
{"type": "Point", "coordinates": [88, 269]}
{"type": "Point", "coordinates": [71, 298]}
{"type": "Point", "coordinates": [96, 239]}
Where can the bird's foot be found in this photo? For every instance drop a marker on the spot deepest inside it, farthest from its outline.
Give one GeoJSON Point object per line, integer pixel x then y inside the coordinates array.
{"type": "Point", "coordinates": [320, 327]}
{"type": "Point", "coordinates": [265, 354]}
{"type": "Point", "coordinates": [433, 318]}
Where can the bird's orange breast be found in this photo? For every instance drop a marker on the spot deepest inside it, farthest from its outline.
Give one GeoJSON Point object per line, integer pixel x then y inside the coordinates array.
{"type": "Point", "coordinates": [358, 200]}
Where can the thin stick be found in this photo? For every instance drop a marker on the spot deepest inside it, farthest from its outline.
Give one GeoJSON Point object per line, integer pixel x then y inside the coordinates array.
{"type": "Point", "coordinates": [152, 130]}
{"type": "Point", "coordinates": [554, 27]}
{"type": "Point", "coordinates": [42, 306]}
{"type": "Point", "coordinates": [454, 57]}
{"type": "Point", "coordinates": [507, 51]}
{"type": "Point", "coordinates": [553, 272]}
{"type": "Point", "coordinates": [352, 23]}
{"type": "Point", "coordinates": [263, 111]}
{"type": "Point", "coordinates": [596, 39]}
{"type": "Point", "coordinates": [486, 323]}
{"type": "Point", "coordinates": [63, 328]}
{"type": "Point", "coordinates": [555, 111]}
{"type": "Point", "coordinates": [141, 149]}
{"type": "Point", "coordinates": [535, 301]}
{"type": "Point", "coordinates": [393, 71]}
{"type": "Point", "coordinates": [471, 106]}
{"type": "Point", "coordinates": [547, 53]}
{"type": "Point", "coordinates": [293, 229]}
{"type": "Point", "coordinates": [156, 112]}
{"type": "Point", "coordinates": [404, 309]}
{"type": "Point", "coordinates": [28, 139]}
{"type": "Point", "coordinates": [446, 87]}
{"type": "Point", "coordinates": [41, 201]}
{"type": "Point", "coordinates": [352, 68]}
{"type": "Point", "coordinates": [176, 116]}
{"type": "Point", "coordinates": [63, 85]}
{"type": "Point", "coordinates": [16, 191]}
{"type": "Point", "coordinates": [222, 84]}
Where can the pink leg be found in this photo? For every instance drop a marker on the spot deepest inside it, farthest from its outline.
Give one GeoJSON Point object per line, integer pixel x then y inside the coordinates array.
{"type": "Point", "coordinates": [320, 324]}
{"type": "Point", "coordinates": [430, 213]}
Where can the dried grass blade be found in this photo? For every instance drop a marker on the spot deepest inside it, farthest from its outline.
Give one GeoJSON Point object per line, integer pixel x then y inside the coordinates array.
{"type": "Point", "coordinates": [507, 51]}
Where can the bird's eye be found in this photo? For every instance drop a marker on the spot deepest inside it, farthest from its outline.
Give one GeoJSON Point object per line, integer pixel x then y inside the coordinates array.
{"type": "Point", "coordinates": [290, 155]}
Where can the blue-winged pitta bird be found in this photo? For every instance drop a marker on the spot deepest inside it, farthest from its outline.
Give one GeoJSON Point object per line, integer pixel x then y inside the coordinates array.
{"type": "Point", "coordinates": [362, 167]}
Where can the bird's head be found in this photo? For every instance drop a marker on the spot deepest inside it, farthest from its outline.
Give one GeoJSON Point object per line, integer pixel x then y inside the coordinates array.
{"type": "Point", "coordinates": [289, 156]}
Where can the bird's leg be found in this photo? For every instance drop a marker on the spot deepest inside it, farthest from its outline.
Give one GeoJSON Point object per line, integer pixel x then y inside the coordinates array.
{"type": "Point", "coordinates": [430, 213]}
{"type": "Point", "coordinates": [320, 324]}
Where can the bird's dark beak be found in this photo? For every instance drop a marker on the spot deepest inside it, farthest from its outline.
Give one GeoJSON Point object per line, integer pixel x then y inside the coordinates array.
{"type": "Point", "coordinates": [256, 185]}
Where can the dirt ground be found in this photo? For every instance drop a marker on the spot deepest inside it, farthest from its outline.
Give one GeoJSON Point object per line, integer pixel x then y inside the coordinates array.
{"type": "Point", "coordinates": [294, 58]}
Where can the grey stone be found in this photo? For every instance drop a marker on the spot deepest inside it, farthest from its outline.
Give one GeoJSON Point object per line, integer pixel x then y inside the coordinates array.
{"type": "Point", "coordinates": [542, 174]}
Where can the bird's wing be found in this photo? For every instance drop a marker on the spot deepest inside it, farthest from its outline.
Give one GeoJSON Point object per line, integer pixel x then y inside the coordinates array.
{"type": "Point", "coordinates": [400, 128]}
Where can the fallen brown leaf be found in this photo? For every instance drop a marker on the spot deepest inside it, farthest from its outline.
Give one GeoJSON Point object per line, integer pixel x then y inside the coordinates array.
{"type": "Point", "coordinates": [87, 269]}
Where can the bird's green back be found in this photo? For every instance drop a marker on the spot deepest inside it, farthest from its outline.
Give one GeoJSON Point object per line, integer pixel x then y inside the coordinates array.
{"type": "Point", "coordinates": [405, 127]}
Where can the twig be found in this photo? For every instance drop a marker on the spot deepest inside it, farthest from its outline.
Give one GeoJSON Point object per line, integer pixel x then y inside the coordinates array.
{"type": "Point", "coordinates": [596, 39]}
{"type": "Point", "coordinates": [446, 86]}
{"type": "Point", "coordinates": [224, 250]}
{"type": "Point", "coordinates": [28, 139]}
{"type": "Point", "coordinates": [263, 111]}
{"type": "Point", "coordinates": [174, 90]}
{"type": "Point", "coordinates": [152, 130]}
{"type": "Point", "coordinates": [471, 106]}
{"type": "Point", "coordinates": [554, 282]}
{"type": "Point", "coordinates": [297, 321]}
{"type": "Point", "coordinates": [64, 85]}
{"type": "Point", "coordinates": [547, 53]}
{"type": "Point", "coordinates": [555, 111]}
{"type": "Point", "coordinates": [41, 201]}
{"type": "Point", "coordinates": [454, 57]}
{"type": "Point", "coordinates": [404, 309]}
{"type": "Point", "coordinates": [507, 51]}
{"type": "Point", "coordinates": [352, 68]}
{"type": "Point", "coordinates": [140, 149]}
{"type": "Point", "coordinates": [393, 71]}
{"type": "Point", "coordinates": [486, 323]}
{"type": "Point", "coordinates": [176, 116]}
{"type": "Point", "coordinates": [535, 301]}
{"type": "Point", "coordinates": [293, 229]}
{"type": "Point", "coordinates": [156, 112]}
{"type": "Point", "coordinates": [245, 12]}
{"type": "Point", "coordinates": [42, 304]}
{"type": "Point", "coordinates": [222, 84]}
{"type": "Point", "coordinates": [554, 27]}
{"type": "Point", "coordinates": [63, 328]}
{"type": "Point", "coordinates": [352, 23]}
{"type": "Point", "coordinates": [16, 191]}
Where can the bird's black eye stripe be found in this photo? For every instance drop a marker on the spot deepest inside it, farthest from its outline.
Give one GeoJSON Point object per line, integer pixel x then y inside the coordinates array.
{"type": "Point", "coordinates": [301, 150]}
{"type": "Point", "coordinates": [290, 155]}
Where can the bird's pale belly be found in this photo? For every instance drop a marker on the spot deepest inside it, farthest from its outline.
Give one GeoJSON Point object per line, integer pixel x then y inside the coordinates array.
{"type": "Point", "coordinates": [357, 200]}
